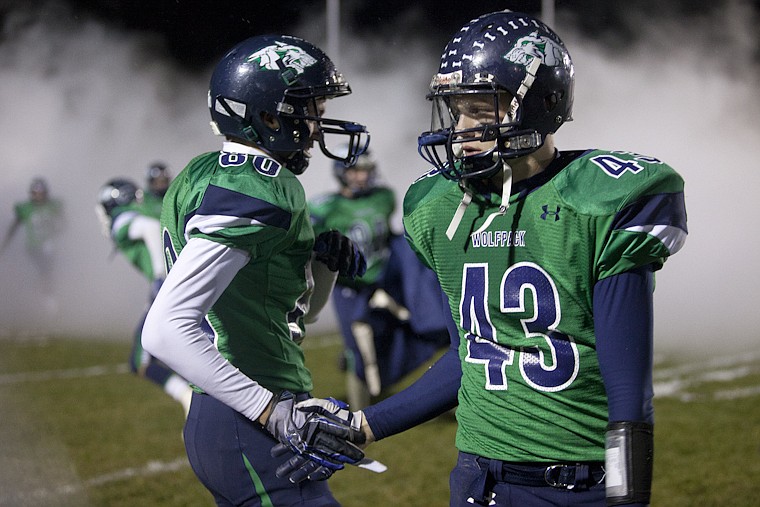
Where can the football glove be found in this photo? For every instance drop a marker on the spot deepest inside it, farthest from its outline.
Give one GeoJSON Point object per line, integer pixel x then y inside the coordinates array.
{"type": "Point", "coordinates": [300, 467]}
{"type": "Point", "coordinates": [315, 430]}
{"type": "Point", "coordinates": [340, 254]}
{"type": "Point", "coordinates": [330, 449]}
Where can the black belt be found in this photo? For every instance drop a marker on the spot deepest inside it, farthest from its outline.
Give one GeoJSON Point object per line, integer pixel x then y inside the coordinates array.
{"type": "Point", "coordinates": [578, 476]}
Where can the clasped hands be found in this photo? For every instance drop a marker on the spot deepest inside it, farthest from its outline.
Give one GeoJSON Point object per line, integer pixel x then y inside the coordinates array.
{"type": "Point", "coordinates": [322, 434]}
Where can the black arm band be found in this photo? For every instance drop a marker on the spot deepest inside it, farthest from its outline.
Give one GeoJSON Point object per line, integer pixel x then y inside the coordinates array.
{"type": "Point", "coordinates": [629, 456]}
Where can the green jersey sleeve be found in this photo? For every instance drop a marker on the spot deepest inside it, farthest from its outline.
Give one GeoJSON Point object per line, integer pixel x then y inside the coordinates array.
{"type": "Point", "coordinates": [135, 251]}
{"type": "Point", "coordinates": [638, 203]}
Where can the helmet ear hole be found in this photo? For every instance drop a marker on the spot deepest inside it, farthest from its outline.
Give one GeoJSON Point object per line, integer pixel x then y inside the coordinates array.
{"type": "Point", "coordinates": [270, 121]}
{"type": "Point", "coordinates": [551, 101]}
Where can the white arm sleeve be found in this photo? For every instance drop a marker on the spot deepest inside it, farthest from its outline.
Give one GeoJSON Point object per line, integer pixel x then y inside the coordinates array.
{"type": "Point", "coordinates": [173, 333]}
{"type": "Point", "coordinates": [324, 281]}
{"type": "Point", "coordinates": [149, 231]}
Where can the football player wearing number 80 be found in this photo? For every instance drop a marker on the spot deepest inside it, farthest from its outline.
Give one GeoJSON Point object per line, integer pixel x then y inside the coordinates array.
{"type": "Point", "coordinates": [246, 272]}
{"type": "Point", "coordinates": [547, 259]}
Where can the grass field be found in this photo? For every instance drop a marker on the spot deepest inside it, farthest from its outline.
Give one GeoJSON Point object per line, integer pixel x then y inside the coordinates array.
{"type": "Point", "coordinates": [79, 430]}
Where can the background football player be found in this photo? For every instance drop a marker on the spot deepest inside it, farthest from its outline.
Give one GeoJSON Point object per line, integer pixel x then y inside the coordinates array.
{"type": "Point", "coordinates": [41, 217]}
{"type": "Point", "coordinates": [547, 259]}
{"type": "Point", "coordinates": [383, 341]}
{"type": "Point", "coordinates": [134, 229]}
{"type": "Point", "coordinates": [157, 180]}
{"type": "Point", "coordinates": [246, 272]}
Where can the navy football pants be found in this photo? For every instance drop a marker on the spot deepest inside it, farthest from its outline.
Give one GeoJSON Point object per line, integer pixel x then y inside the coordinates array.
{"type": "Point", "coordinates": [230, 454]}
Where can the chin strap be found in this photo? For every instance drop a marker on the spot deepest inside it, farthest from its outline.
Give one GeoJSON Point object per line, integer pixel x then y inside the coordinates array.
{"type": "Point", "coordinates": [506, 192]}
{"type": "Point", "coordinates": [457, 218]}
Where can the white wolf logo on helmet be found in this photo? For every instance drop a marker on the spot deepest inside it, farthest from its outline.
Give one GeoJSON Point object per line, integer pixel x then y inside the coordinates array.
{"type": "Point", "coordinates": [292, 57]}
{"type": "Point", "coordinates": [535, 46]}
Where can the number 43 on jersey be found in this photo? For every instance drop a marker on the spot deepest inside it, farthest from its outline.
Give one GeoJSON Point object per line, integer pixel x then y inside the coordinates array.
{"type": "Point", "coordinates": [552, 364]}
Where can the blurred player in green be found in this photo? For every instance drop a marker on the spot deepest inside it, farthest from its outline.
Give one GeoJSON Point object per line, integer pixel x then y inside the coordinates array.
{"type": "Point", "coordinates": [157, 180]}
{"type": "Point", "coordinates": [135, 231]}
{"type": "Point", "coordinates": [382, 340]}
{"type": "Point", "coordinates": [41, 217]}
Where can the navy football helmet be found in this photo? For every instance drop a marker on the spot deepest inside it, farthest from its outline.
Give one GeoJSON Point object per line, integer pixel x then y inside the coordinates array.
{"type": "Point", "coordinates": [158, 178]}
{"type": "Point", "coordinates": [363, 162]}
{"type": "Point", "coordinates": [518, 64]}
{"type": "Point", "coordinates": [117, 192]}
{"type": "Point", "coordinates": [281, 76]}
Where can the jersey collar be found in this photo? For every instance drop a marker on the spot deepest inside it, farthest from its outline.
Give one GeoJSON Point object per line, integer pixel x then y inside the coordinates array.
{"type": "Point", "coordinates": [233, 147]}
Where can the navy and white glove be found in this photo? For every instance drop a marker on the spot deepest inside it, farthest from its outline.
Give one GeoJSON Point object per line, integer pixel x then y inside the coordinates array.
{"type": "Point", "coordinates": [332, 445]}
{"type": "Point", "coordinates": [340, 254]}
{"type": "Point", "coordinates": [319, 432]}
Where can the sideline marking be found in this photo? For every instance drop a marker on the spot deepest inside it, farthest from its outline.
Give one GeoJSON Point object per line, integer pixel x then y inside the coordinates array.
{"type": "Point", "coordinates": [675, 381]}
{"type": "Point", "coordinates": [150, 468]}
{"type": "Point", "coordinates": [317, 342]}
{"type": "Point", "coordinates": [42, 376]}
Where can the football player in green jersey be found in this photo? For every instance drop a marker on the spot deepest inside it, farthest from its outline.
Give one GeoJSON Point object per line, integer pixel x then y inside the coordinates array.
{"type": "Point", "coordinates": [547, 259]}
{"type": "Point", "coordinates": [157, 180]}
{"type": "Point", "coordinates": [245, 273]}
{"type": "Point", "coordinates": [383, 341]}
{"type": "Point", "coordinates": [136, 234]}
{"type": "Point", "coordinates": [41, 217]}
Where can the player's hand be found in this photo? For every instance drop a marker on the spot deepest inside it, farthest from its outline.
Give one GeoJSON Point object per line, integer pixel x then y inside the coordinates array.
{"type": "Point", "coordinates": [340, 254]}
{"type": "Point", "coordinates": [299, 467]}
{"type": "Point", "coordinates": [315, 430]}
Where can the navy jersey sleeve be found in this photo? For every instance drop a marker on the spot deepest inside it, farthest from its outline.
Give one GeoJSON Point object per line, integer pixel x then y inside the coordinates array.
{"type": "Point", "coordinates": [623, 323]}
{"type": "Point", "coordinates": [431, 395]}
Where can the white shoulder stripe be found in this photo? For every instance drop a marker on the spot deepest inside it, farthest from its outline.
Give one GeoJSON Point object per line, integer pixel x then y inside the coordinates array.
{"type": "Point", "coordinates": [672, 237]}
{"type": "Point", "coordinates": [208, 224]}
{"type": "Point", "coordinates": [121, 220]}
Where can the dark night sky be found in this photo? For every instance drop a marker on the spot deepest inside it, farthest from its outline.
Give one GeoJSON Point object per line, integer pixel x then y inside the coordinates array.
{"type": "Point", "coordinates": [195, 32]}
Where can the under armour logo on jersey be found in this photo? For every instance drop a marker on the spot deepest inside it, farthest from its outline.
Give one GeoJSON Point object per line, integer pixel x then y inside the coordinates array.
{"type": "Point", "coordinates": [547, 213]}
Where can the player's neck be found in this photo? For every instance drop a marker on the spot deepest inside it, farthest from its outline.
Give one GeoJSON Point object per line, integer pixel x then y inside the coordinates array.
{"type": "Point", "coordinates": [529, 165]}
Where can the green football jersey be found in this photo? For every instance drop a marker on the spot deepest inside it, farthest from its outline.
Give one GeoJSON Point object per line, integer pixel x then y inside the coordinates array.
{"type": "Point", "coordinates": [40, 219]}
{"type": "Point", "coordinates": [521, 290]}
{"type": "Point", "coordinates": [250, 202]}
{"type": "Point", "coordinates": [365, 219]}
{"type": "Point", "coordinates": [134, 250]}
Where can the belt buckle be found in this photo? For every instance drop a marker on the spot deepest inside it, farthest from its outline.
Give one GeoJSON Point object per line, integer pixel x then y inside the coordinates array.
{"type": "Point", "coordinates": [558, 482]}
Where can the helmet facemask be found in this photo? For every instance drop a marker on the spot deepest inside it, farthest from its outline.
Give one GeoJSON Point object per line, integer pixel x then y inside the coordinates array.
{"type": "Point", "coordinates": [497, 117]}
{"type": "Point", "coordinates": [339, 140]}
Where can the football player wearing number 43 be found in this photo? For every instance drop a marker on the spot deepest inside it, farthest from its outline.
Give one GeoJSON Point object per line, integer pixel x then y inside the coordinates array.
{"type": "Point", "coordinates": [553, 369]}
{"type": "Point", "coordinates": [245, 272]}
